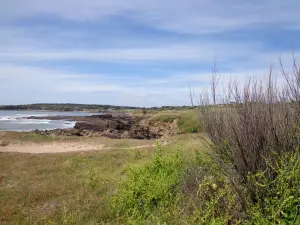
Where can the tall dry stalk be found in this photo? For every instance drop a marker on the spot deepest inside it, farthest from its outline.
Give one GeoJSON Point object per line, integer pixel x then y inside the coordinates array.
{"type": "Point", "coordinates": [254, 122]}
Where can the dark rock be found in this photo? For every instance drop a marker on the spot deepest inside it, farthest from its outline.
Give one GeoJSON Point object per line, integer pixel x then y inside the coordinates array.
{"type": "Point", "coordinates": [101, 116]}
{"type": "Point", "coordinates": [116, 126]}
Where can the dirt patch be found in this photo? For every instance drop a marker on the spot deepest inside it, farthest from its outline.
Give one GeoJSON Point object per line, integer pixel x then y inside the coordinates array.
{"type": "Point", "coordinates": [55, 147]}
{"type": "Point", "coordinates": [4, 143]}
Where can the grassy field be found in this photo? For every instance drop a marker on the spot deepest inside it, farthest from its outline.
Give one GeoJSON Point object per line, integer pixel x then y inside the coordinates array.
{"type": "Point", "coordinates": [21, 138]}
{"type": "Point", "coordinates": [67, 188]}
{"type": "Point", "coordinates": [61, 188]}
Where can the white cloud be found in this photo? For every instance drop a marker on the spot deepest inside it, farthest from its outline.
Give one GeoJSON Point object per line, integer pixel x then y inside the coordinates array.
{"type": "Point", "coordinates": [21, 44]}
{"type": "Point", "coordinates": [24, 84]}
{"type": "Point", "coordinates": [191, 16]}
{"type": "Point", "coordinates": [205, 51]}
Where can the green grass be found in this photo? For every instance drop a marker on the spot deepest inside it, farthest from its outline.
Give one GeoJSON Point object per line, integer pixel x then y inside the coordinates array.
{"type": "Point", "coordinates": [187, 121]}
{"type": "Point", "coordinates": [149, 188]}
{"type": "Point", "coordinates": [182, 186]}
{"type": "Point", "coordinates": [179, 185]}
{"type": "Point", "coordinates": [166, 117]}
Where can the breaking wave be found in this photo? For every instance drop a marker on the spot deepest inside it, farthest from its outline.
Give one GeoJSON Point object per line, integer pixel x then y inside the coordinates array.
{"type": "Point", "coordinates": [20, 122]}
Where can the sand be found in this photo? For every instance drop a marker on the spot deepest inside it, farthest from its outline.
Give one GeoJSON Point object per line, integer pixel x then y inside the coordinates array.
{"type": "Point", "coordinates": [60, 147]}
{"type": "Point", "coordinates": [55, 147]}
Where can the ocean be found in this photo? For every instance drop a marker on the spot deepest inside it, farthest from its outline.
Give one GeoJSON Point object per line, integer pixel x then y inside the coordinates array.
{"type": "Point", "coordinates": [14, 120]}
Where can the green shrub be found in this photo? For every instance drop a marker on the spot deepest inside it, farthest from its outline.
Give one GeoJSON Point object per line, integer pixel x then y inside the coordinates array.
{"type": "Point", "coordinates": [150, 189]}
{"type": "Point", "coordinates": [280, 203]}
{"type": "Point", "coordinates": [210, 196]}
{"type": "Point", "coordinates": [173, 189]}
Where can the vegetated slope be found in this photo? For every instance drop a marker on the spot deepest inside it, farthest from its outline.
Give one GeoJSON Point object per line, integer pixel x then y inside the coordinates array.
{"type": "Point", "coordinates": [248, 175]}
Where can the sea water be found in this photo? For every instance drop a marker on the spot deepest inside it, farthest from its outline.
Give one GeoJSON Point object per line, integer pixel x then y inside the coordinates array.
{"type": "Point", "coordinates": [14, 120]}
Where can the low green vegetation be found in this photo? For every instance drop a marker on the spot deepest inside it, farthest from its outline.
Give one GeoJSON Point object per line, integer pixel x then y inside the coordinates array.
{"type": "Point", "coordinates": [166, 117]}
{"type": "Point", "coordinates": [280, 201]}
{"type": "Point", "coordinates": [187, 121]}
{"type": "Point", "coordinates": [176, 187]}
{"type": "Point", "coordinates": [150, 188]}
{"type": "Point", "coordinates": [249, 172]}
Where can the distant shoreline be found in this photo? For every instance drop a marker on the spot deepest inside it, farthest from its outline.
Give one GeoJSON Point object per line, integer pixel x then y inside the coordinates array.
{"type": "Point", "coordinates": [52, 110]}
{"type": "Point", "coordinates": [69, 107]}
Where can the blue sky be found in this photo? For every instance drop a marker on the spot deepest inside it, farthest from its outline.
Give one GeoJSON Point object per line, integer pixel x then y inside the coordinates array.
{"type": "Point", "coordinates": [139, 53]}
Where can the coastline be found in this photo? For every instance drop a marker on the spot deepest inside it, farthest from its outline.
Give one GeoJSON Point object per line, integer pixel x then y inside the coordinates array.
{"type": "Point", "coordinates": [115, 125]}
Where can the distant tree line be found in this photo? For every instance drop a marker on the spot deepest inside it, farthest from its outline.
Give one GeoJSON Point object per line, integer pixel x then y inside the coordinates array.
{"type": "Point", "coordinates": [84, 107]}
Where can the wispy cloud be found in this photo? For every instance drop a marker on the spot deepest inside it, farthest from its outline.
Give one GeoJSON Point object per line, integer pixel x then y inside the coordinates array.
{"type": "Point", "coordinates": [176, 52]}
{"type": "Point", "coordinates": [182, 16]}
{"type": "Point", "coordinates": [24, 84]}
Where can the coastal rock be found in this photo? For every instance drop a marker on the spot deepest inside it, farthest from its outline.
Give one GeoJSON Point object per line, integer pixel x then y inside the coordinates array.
{"type": "Point", "coordinates": [102, 116]}
{"type": "Point", "coordinates": [117, 126]}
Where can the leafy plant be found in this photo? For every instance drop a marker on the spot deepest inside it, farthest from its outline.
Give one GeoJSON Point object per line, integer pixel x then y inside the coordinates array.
{"type": "Point", "coordinates": [280, 203]}
{"type": "Point", "coordinates": [150, 187]}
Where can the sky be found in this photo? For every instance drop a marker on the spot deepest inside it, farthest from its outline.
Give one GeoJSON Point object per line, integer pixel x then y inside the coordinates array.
{"type": "Point", "coordinates": [137, 52]}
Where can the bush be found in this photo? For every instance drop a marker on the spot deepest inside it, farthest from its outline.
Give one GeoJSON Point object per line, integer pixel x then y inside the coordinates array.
{"type": "Point", "coordinates": [210, 195]}
{"type": "Point", "coordinates": [280, 202]}
{"type": "Point", "coordinates": [149, 188]}
{"type": "Point", "coordinates": [263, 121]}
{"type": "Point", "coordinates": [173, 189]}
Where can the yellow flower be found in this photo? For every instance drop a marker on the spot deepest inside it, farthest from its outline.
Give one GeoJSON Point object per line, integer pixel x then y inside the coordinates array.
{"type": "Point", "coordinates": [214, 186]}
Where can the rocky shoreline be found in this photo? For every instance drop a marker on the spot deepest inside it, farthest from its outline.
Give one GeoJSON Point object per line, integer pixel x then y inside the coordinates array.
{"type": "Point", "coordinates": [112, 126]}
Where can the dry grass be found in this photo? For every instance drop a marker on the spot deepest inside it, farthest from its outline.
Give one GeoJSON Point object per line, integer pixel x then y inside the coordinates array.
{"type": "Point", "coordinates": [61, 188]}
{"type": "Point", "coordinates": [30, 137]}
{"type": "Point", "coordinates": [67, 188]}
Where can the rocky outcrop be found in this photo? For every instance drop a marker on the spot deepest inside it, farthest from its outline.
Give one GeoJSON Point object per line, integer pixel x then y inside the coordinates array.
{"type": "Point", "coordinates": [117, 126]}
